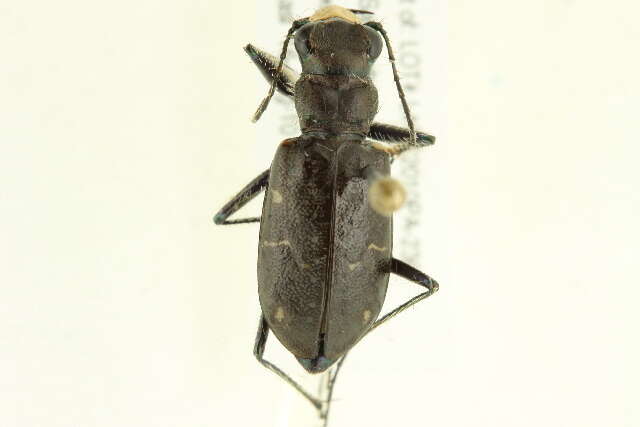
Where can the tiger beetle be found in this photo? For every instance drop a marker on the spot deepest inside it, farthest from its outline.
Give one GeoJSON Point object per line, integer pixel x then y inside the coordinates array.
{"type": "Point", "coordinates": [324, 255]}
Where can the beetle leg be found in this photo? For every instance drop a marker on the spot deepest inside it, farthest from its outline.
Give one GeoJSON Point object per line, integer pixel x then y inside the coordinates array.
{"type": "Point", "coordinates": [251, 190]}
{"type": "Point", "coordinates": [265, 102]}
{"type": "Point", "coordinates": [268, 65]}
{"type": "Point", "coordinates": [329, 391]}
{"type": "Point", "coordinates": [416, 276]}
{"type": "Point", "coordinates": [396, 134]}
{"type": "Point", "coordinates": [394, 140]}
{"type": "Point", "coordinates": [258, 352]}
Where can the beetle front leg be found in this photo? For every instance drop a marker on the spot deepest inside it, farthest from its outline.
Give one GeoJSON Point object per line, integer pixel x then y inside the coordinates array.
{"type": "Point", "coordinates": [268, 66]}
{"type": "Point", "coordinates": [245, 195]}
{"type": "Point", "coordinates": [406, 271]}
{"type": "Point", "coordinates": [398, 135]}
{"type": "Point", "coordinates": [258, 352]}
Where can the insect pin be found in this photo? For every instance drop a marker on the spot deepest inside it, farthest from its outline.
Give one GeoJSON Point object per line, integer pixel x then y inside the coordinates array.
{"type": "Point", "coordinates": [325, 242]}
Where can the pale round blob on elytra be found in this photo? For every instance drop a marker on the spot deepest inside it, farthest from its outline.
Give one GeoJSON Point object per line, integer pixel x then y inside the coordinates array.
{"type": "Point", "coordinates": [386, 195]}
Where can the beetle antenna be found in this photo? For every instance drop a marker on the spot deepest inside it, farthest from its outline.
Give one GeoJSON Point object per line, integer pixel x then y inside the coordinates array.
{"type": "Point", "coordinates": [412, 132]}
{"type": "Point", "coordinates": [265, 102]}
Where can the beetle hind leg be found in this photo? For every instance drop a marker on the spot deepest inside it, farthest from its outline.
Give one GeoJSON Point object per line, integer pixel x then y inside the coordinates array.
{"type": "Point", "coordinates": [323, 404]}
{"type": "Point", "coordinates": [258, 352]}
{"type": "Point", "coordinates": [327, 389]}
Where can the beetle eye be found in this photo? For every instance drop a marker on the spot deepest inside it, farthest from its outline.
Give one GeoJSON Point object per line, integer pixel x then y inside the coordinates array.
{"type": "Point", "coordinates": [375, 47]}
{"type": "Point", "coordinates": [302, 43]}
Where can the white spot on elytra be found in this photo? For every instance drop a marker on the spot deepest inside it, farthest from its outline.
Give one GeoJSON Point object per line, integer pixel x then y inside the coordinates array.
{"type": "Point", "coordinates": [274, 244]}
{"type": "Point", "coordinates": [353, 266]}
{"type": "Point", "coordinates": [377, 248]}
{"type": "Point", "coordinates": [280, 314]}
{"type": "Point", "coordinates": [277, 197]}
{"type": "Point", "coordinates": [366, 315]}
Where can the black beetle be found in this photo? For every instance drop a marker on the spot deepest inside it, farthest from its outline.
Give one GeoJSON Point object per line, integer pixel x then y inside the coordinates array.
{"type": "Point", "coordinates": [324, 254]}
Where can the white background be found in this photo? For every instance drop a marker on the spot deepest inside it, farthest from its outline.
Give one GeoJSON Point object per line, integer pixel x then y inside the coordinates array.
{"type": "Point", "coordinates": [124, 126]}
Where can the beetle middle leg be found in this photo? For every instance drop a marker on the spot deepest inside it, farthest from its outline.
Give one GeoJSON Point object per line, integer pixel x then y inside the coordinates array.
{"type": "Point", "coordinates": [408, 272]}
{"type": "Point", "coordinates": [251, 190]}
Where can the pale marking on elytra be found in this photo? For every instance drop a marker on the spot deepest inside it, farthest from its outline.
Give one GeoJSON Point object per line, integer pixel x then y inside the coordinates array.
{"type": "Point", "coordinates": [277, 197]}
{"type": "Point", "coordinates": [354, 266]}
{"type": "Point", "coordinates": [280, 314]}
{"type": "Point", "coordinates": [305, 266]}
{"type": "Point", "coordinates": [366, 315]}
{"type": "Point", "coordinates": [377, 248]}
{"type": "Point", "coordinates": [274, 244]}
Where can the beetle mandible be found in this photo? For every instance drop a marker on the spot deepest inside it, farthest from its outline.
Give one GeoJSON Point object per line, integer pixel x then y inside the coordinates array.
{"type": "Point", "coordinates": [324, 255]}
